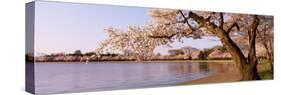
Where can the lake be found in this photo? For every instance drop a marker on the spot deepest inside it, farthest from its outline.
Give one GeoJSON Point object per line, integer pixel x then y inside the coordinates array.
{"type": "Point", "coordinates": [62, 77]}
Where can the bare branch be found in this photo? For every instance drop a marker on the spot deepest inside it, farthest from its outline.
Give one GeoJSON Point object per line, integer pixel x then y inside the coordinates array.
{"type": "Point", "coordinates": [252, 59]}
{"type": "Point", "coordinates": [175, 22]}
{"type": "Point", "coordinates": [197, 18]}
{"type": "Point", "coordinates": [190, 26]}
{"type": "Point", "coordinates": [161, 36]}
{"type": "Point", "coordinates": [170, 36]}
{"type": "Point", "coordinates": [185, 19]}
{"type": "Point", "coordinates": [221, 20]}
{"type": "Point", "coordinates": [209, 17]}
{"type": "Point", "coordinates": [232, 26]}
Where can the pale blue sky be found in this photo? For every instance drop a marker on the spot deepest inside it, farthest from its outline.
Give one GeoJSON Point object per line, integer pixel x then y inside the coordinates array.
{"type": "Point", "coordinates": [66, 27]}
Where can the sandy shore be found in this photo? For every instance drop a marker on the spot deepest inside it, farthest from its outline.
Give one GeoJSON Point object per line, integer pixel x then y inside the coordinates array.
{"type": "Point", "coordinates": [230, 76]}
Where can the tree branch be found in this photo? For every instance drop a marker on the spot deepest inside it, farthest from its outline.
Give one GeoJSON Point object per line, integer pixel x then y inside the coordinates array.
{"type": "Point", "coordinates": [252, 41]}
{"type": "Point", "coordinates": [226, 40]}
{"type": "Point", "coordinates": [170, 36]}
{"type": "Point", "coordinates": [161, 36]}
{"type": "Point", "coordinates": [221, 20]}
{"type": "Point", "coordinates": [232, 26]}
{"type": "Point", "coordinates": [200, 20]}
{"type": "Point", "coordinates": [175, 22]}
{"type": "Point", "coordinates": [209, 17]}
{"type": "Point", "coordinates": [186, 20]}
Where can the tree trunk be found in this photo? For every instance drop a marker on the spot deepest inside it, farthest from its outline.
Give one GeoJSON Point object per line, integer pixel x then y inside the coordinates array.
{"type": "Point", "coordinates": [252, 58]}
{"type": "Point", "coordinates": [269, 54]}
{"type": "Point", "coordinates": [250, 72]}
{"type": "Point", "coordinates": [271, 57]}
{"type": "Point", "coordinates": [246, 67]}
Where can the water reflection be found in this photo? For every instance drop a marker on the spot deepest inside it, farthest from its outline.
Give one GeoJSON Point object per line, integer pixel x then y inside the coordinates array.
{"type": "Point", "coordinates": [73, 77]}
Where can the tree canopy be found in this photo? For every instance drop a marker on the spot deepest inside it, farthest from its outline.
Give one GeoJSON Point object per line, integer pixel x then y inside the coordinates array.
{"type": "Point", "coordinates": [169, 25]}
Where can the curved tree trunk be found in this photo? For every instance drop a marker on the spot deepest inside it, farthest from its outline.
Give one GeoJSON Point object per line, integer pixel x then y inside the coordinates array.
{"type": "Point", "coordinates": [248, 68]}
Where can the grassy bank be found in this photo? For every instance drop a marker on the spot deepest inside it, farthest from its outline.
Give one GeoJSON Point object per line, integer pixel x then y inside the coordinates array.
{"type": "Point", "coordinates": [188, 61]}
{"type": "Point", "coordinates": [264, 70]}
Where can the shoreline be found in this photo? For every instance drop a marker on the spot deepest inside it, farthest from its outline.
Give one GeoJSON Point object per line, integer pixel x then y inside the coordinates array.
{"type": "Point", "coordinates": [230, 76]}
{"type": "Point", "coordinates": [80, 62]}
{"type": "Point", "coordinates": [225, 77]}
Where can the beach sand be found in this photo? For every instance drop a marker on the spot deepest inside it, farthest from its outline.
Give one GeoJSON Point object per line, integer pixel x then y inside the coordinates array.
{"type": "Point", "coordinates": [230, 76]}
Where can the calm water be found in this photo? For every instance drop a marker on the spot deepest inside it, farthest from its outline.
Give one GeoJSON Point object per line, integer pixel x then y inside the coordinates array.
{"type": "Point", "coordinates": [95, 76]}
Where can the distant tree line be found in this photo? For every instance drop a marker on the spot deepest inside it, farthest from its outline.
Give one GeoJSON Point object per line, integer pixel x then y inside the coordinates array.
{"type": "Point", "coordinates": [79, 53]}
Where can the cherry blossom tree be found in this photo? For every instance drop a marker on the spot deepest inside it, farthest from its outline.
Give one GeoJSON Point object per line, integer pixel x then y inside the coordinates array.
{"type": "Point", "coordinates": [134, 39]}
{"type": "Point", "coordinates": [265, 37]}
{"type": "Point", "coordinates": [169, 25]}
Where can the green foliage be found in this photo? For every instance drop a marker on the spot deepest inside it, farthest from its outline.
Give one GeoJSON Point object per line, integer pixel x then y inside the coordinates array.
{"type": "Point", "coordinates": [77, 53]}
{"type": "Point", "coordinates": [90, 53]}
{"type": "Point", "coordinates": [203, 55]}
{"type": "Point", "coordinates": [265, 70]}
{"type": "Point", "coordinates": [266, 75]}
{"type": "Point", "coordinates": [109, 54]}
{"type": "Point", "coordinates": [263, 61]}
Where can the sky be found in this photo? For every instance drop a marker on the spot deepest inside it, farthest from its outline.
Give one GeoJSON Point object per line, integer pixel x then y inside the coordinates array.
{"type": "Point", "coordinates": [66, 27]}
